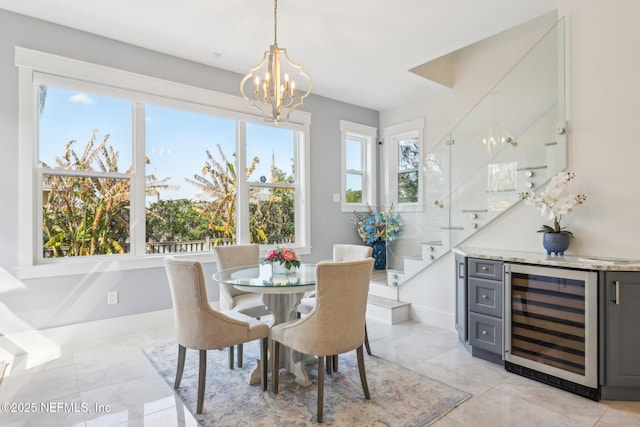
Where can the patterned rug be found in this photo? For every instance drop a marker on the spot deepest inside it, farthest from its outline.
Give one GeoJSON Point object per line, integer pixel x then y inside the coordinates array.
{"type": "Point", "coordinates": [399, 397]}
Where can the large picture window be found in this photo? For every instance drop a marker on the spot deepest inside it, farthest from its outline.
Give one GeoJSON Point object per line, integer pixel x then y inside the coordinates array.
{"type": "Point", "coordinates": [122, 174]}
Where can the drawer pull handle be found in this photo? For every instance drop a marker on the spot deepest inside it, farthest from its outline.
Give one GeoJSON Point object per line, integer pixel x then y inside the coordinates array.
{"type": "Point", "coordinates": [484, 296]}
{"type": "Point", "coordinates": [484, 268]}
{"type": "Point", "coordinates": [484, 332]}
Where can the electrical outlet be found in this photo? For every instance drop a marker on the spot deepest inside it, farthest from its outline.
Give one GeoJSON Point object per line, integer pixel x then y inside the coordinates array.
{"type": "Point", "coordinates": [336, 198]}
{"type": "Point", "coordinates": [112, 297]}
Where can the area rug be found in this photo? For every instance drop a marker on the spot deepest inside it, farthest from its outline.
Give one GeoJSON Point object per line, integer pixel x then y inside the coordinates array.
{"type": "Point", "coordinates": [399, 397]}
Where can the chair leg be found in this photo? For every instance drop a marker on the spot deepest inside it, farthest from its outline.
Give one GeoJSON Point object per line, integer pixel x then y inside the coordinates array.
{"type": "Point", "coordinates": [202, 376]}
{"type": "Point", "coordinates": [366, 340]}
{"type": "Point", "coordinates": [320, 388]}
{"type": "Point", "coordinates": [181, 355]}
{"type": "Point", "coordinates": [335, 363]}
{"type": "Point", "coordinates": [328, 360]}
{"type": "Point", "coordinates": [363, 376]}
{"type": "Point", "coordinates": [263, 356]}
{"type": "Point", "coordinates": [231, 357]}
{"type": "Point", "coordinates": [275, 370]}
{"type": "Point", "coordinates": [240, 347]}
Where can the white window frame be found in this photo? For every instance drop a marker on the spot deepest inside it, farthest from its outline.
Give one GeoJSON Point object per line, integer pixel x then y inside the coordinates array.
{"type": "Point", "coordinates": [367, 134]}
{"type": "Point", "coordinates": [34, 66]}
{"type": "Point", "coordinates": [392, 135]}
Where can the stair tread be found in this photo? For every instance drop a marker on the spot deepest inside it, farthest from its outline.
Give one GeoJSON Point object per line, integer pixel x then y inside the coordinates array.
{"type": "Point", "coordinates": [385, 302]}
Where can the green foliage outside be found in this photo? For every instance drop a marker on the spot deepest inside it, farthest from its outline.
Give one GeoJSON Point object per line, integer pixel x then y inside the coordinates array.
{"type": "Point", "coordinates": [90, 216]}
{"type": "Point", "coordinates": [86, 216]}
{"type": "Point", "coordinates": [354, 196]}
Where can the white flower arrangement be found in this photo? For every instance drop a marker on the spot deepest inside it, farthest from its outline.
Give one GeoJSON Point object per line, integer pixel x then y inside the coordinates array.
{"type": "Point", "coordinates": [553, 204]}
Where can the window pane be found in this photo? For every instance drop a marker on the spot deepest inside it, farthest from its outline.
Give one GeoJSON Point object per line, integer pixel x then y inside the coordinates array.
{"type": "Point", "coordinates": [408, 187]}
{"type": "Point", "coordinates": [271, 211]}
{"type": "Point", "coordinates": [84, 216]}
{"type": "Point", "coordinates": [86, 119]}
{"type": "Point", "coordinates": [190, 180]}
{"type": "Point", "coordinates": [354, 150]}
{"type": "Point", "coordinates": [408, 154]}
{"type": "Point", "coordinates": [354, 188]}
{"type": "Point", "coordinates": [270, 154]}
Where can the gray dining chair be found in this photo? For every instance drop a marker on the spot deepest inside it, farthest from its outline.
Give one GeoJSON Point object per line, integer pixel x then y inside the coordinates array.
{"type": "Point", "coordinates": [341, 252]}
{"type": "Point", "coordinates": [201, 327]}
{"type": "Point", "coordinates": [248, 303]}
{"type": "Point", "coordinates": [341, 304]}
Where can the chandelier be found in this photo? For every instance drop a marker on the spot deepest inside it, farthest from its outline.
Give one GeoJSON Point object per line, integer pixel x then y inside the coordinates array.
{"type": "Point", "coordinates": [277, 85]}
{"type": "Point", "coordinates": [497, 137]}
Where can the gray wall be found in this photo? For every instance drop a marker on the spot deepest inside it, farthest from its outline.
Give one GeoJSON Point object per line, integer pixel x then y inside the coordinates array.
{"type": "Point", "coordinates": [57, 301]}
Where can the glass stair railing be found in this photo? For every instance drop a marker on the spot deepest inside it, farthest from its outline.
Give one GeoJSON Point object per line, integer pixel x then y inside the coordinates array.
{"type": "Point", "coordinates": [512, 141]}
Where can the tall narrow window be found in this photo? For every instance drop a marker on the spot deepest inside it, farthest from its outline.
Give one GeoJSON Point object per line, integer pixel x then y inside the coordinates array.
{"type": "Point", "coordinates": [358, 166]}
{"type": "Point", "coordinates": [408, 161]}
{"type": "Point", "coordinates": [403, 144]}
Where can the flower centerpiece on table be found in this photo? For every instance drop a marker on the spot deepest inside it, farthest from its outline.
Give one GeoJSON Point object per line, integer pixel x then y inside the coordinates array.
{"type": "Point", "coordinates": [553, 205]}
{"type": "Point", "coordinates": [283, 256]}
{"type": "Point", "coordinates": [377, 226]}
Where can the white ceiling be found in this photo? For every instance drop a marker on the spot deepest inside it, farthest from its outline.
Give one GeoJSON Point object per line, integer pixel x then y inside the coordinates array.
{"type": "Point", "coordinates": [357, 51]}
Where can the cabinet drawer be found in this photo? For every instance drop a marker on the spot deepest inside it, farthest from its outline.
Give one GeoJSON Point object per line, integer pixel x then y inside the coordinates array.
{"type": "Point", "coordinates": [485, 269]}
{"type": "Point", "coordinates": [485, 296]}
{"type": "Point", "coordinates": [485, 332]}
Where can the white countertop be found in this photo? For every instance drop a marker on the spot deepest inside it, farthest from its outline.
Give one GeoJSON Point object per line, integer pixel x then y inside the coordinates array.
{"type": "Point", "coordinates": [540, 258]}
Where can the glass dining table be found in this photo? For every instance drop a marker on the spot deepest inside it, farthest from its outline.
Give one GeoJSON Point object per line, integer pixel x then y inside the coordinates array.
{"type": "Point", "coordinates": [281, 293]}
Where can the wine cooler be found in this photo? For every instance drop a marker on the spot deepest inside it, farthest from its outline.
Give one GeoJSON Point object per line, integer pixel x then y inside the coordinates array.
{"type": "Point", "coordinates": [550, 326]}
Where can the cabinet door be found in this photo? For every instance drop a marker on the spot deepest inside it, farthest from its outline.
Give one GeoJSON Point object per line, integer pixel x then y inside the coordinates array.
{"type": "Point", "coordinates": [622, 325]}
{"type": "Point", "coordinates": [461, 297]}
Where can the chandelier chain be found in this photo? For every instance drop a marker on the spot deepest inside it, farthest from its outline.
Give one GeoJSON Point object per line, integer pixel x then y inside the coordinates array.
{"type": "Point", "coordinates": [275, 22]}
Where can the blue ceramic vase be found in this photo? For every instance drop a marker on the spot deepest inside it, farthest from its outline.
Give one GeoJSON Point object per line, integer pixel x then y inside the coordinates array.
{"type": "Point", "coordinates": [555, 243]}
{"type": "Point", "coordinates": [379, 255]}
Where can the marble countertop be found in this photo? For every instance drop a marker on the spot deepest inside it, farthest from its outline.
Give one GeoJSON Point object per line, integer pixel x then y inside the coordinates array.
{"type": "Point", "coordinates": [540, 258]}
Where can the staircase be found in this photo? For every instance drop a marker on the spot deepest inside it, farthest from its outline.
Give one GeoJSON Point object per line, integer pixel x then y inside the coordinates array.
{"type": "Point", "coordinates": [467, 182]}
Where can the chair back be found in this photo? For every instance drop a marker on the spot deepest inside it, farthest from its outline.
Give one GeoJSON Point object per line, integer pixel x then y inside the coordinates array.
{"type": "Point", "coordinates": [344, 252]}
{"type": "Point", "coordinates": [197, 324]}
{"type": "Point", "coordinates": [337, 323]}
{"type": "Point", "coordinates": [234, 256]}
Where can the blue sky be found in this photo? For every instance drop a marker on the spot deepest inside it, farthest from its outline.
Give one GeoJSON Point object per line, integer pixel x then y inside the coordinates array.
{"type": "Point", "coordinates": [176, 140]}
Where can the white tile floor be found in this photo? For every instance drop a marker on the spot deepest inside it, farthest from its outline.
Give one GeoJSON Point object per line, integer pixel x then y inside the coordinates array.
{"type": "Point", "coordinates": [116, 373]}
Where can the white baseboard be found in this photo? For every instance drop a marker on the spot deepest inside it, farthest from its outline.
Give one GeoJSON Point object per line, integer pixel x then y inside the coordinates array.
{"type": "Point", "coordinates": [431, 316]}
{"type": "Point", "coordinates": [40, 340]}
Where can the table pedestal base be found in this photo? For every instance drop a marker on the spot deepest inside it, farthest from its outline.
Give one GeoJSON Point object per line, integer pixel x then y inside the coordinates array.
{"type": "Point", "coordinates": [283, 307]}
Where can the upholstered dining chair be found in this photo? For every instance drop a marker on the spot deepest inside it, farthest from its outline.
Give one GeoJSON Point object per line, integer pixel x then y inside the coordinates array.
{"type": "Point", "coordinates": [200, 327]}
{"type": "Point", "coordinates": [341, 252]}
{"type": "Point", "coordinates": [249, 303]}
{"type": "Point", "coordinates": [334, 326]}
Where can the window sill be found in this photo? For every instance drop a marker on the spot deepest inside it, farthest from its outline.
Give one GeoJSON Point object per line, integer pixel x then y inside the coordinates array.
{"type": "Point", "coordinates": [110, 263]}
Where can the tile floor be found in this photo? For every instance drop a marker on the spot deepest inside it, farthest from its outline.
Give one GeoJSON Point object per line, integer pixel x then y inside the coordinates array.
{"type": "Point", "coordinates": [117, 374]}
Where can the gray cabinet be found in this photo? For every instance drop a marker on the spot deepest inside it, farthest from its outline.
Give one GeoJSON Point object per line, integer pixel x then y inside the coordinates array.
{"type": "Point", "coordinates": [484, 299]}
{"type": "Point", "coordinates": [620, 335]}
{"type": "Point", "coordinates": [461, 298]}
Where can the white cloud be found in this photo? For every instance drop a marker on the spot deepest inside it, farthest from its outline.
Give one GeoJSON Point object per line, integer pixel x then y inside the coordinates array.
{"type": "Point", "coordinates": [81, 98]}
